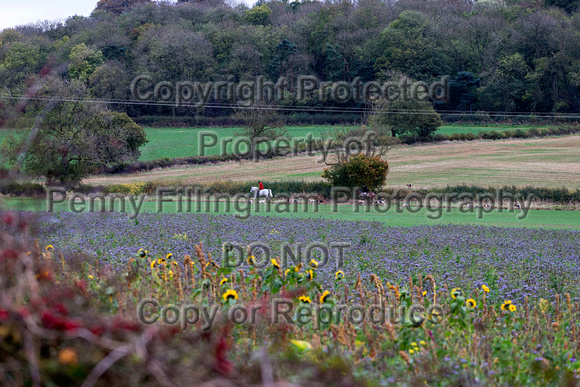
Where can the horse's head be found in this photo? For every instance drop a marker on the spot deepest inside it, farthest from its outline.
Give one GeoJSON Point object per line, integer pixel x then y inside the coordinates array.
{"type": "Point", "coordinates": [253, 189]}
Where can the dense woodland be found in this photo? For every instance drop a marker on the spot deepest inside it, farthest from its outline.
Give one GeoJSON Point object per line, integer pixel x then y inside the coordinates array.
{"type": "Point", "coordinates": [513, 56]}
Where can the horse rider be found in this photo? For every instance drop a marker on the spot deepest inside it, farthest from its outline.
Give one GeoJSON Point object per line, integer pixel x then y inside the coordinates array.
{"type": "Point", "coordinates": [365, 191]}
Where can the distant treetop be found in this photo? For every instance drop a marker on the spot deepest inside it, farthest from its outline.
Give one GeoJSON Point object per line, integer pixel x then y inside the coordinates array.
{"type": "Point", "coordinates": [118, 6]}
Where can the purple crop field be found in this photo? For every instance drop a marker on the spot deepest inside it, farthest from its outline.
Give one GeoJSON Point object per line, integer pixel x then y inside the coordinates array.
{"type": "Point", "coordinates": [514, 263]}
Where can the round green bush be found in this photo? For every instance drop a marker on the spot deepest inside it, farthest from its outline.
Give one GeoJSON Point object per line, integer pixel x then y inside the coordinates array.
{"type": "Point", "coordinates": [358, 171]}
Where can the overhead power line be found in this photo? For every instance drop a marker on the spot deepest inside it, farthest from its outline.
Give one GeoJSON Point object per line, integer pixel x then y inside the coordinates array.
{"type": "Point", "coordinates": [307, 109]}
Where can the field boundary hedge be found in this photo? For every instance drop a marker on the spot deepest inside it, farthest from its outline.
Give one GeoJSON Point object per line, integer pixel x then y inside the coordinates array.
{"type": "Point", "coordinates": [301, 118]}
{"type": "Point", "coordinates": [559, 195]}
{"type": "Point", "coordinates": [560, 130]}
{"type": "Point", "coordinates": [306, 118]}
{"type": "Point", "coordinates": [23, 189]}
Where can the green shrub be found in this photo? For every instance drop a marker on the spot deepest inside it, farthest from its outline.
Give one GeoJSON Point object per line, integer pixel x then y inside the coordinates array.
{"type": "Point", "coordinates": [492, 135]}
{"type": "Point", "coordinates": [509, 133]}
{"type": "Point", "coordinates": [440, 137]}
{"type": "Point", "coordinates": [462, 137]}
{"type": "Point", "coordinates": [22, 189]}
{"type": "Point", "coordinates": [409, 138]}
{"type": "Point", "coordinates": [358, 171]}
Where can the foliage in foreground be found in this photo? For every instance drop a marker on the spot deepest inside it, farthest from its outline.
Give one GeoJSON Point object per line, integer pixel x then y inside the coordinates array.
{"type": "Point", "coordinates": [72, 322]}
{"type": "Point", "coordinates": [66, 320]}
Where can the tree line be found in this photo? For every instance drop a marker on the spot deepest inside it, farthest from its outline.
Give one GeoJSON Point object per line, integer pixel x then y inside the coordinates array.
{"type": "Point", "coordinates": [506, 56]}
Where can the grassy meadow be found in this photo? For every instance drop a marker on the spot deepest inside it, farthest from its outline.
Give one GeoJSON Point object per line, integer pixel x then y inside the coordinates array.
{"type": "Point", "coordinates": [183, 142]}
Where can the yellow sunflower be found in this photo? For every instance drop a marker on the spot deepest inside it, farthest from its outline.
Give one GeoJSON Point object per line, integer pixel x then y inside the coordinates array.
{"type": "Point", "coordinates": [298, 267]}
{"type": "Point", "coordinates": [506, 305]}
{"type": "Point", "coordinates": [142, 253]}
{"type": "Point", "coordinates": [169, 256]}
{"type": "Point", "coordinates": [223, 281]}
{"type": "Point", "coordinates": [471, 303]}
{"type": "Point", "coordinates": [49, 247]}
{"type": "Point", "coordinates": [313, 264]}
{"type": "Point", "coordinates": [512, 308]}
{"type": "Point", "coordinates": [309, 275]}
{"type": "Point", "coordinates": [485, 288]}
{"type": "Point", "coordinates": [324, 296]}
{"type": "Point", "coordinates": [275, 263]}
{"type": "Point", "coordinates": [251, 260]}
{"type": "Point", "coordinates": [339, 275]}
{"type": "Point", "coordinates": [305, 299]}
{"type": "Point", "coordinates": [231, 294]}
{"type": "Point", "coordinates": [287, 272]}
{"type": "Point", "coordinates": [456, 292]}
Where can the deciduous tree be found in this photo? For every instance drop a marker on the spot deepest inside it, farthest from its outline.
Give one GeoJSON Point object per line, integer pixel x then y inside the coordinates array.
{"type": "Point", "coordinates": [260, 124]}
{"type": "Point", "coordinates": [72, 135]}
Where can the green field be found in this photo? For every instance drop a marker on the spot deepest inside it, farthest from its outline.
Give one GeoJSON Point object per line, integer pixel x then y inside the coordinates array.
{"type": "Point", "coordinates": [393, 216]}
{"type": "Point", "coordinates": [183, 142]}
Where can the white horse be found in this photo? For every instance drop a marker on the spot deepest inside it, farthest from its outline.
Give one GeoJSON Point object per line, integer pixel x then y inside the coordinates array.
{"type": "Point", "coordinates": [261, 192]}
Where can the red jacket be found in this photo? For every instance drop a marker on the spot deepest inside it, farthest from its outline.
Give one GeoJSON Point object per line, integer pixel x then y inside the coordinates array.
{"type": "Point", "coordinates": [261, 186]}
